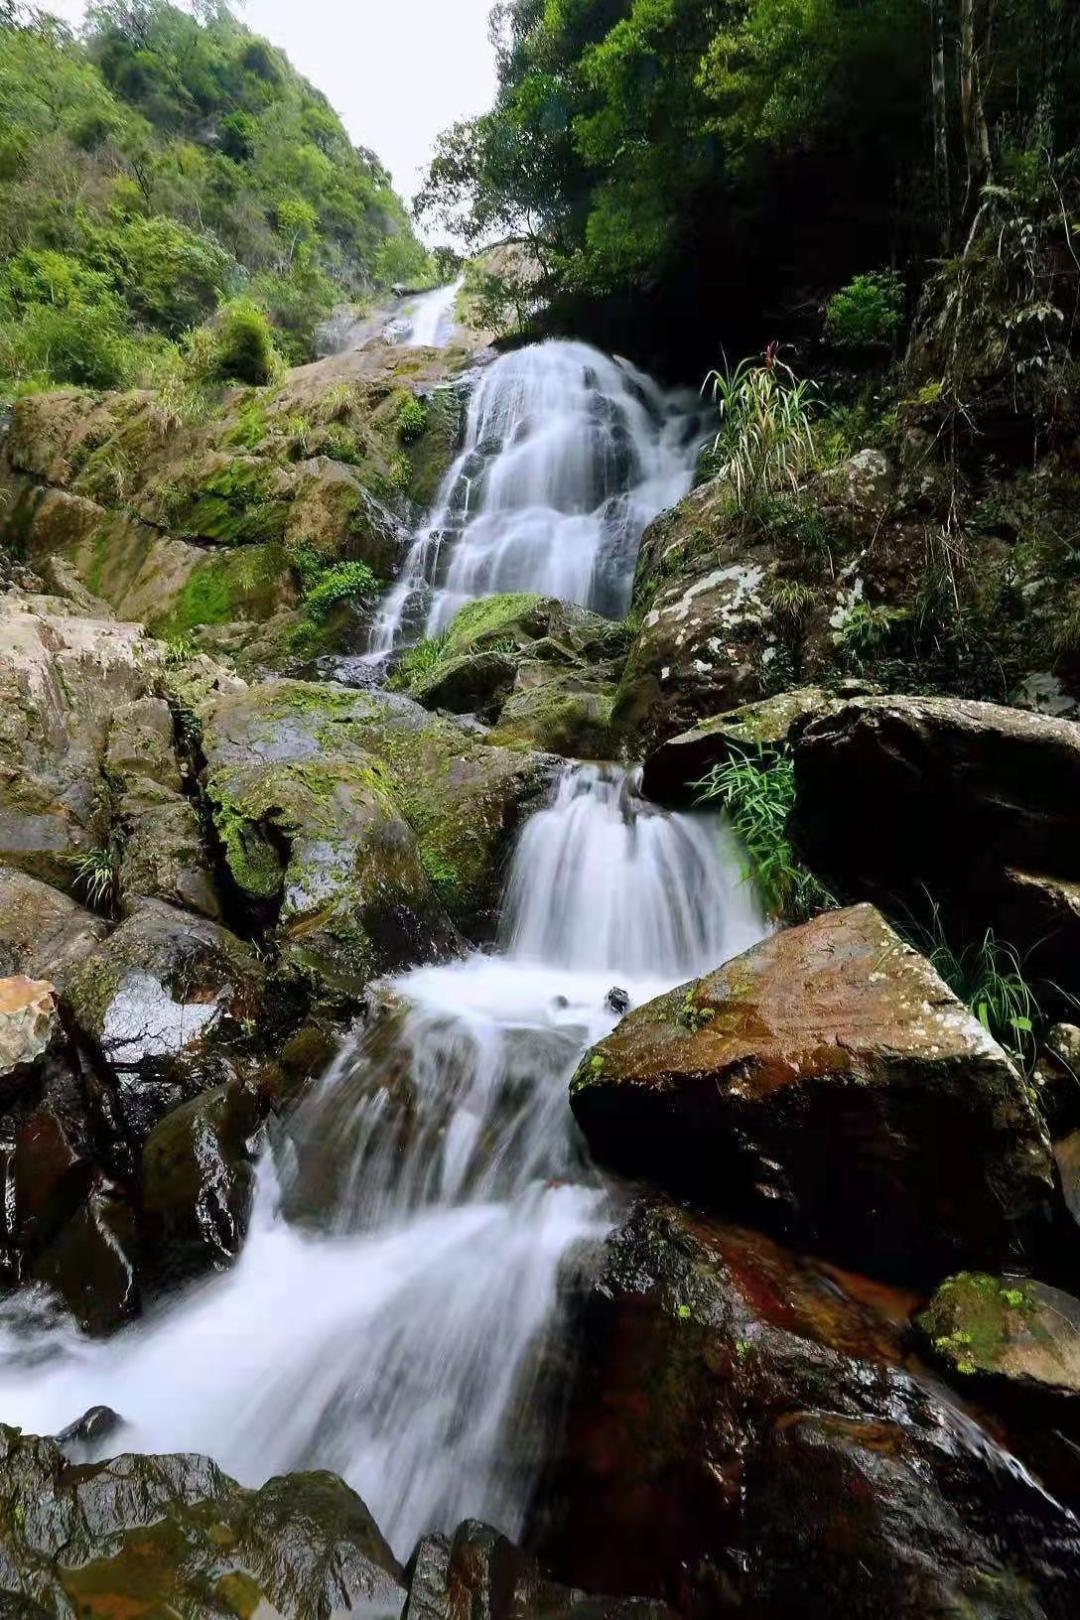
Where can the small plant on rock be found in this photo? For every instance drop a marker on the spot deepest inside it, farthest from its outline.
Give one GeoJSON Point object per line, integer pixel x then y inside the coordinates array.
{"type": "Point", "coordinates": [765, 441]}
{"type": "Point", "coordinates": [417, 661]}
{"type": "Point", "coordinates": [348, 582]}
{"type": "Point", "coordinates": [95, 875]}
{"type": "Point", "coordinates": [758, 793]}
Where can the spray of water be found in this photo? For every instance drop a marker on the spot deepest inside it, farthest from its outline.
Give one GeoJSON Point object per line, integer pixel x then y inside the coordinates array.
{"type": "Point", "coordinates": [398, 1297]}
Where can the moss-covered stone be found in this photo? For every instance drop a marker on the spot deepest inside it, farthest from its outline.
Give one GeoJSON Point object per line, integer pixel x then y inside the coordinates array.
{"type": "Point", "coordinates": [461, 797]}
{"type": "Point", "coordinates": [561, 717]}
{"type": "Point", "coordinates": [1000, 1327]}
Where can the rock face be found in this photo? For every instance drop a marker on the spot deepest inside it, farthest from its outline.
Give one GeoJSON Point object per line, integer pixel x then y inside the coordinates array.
{"type": "Point", "coordinates": [359, 811]}
{"type": "Point", "coordinates": [29, 1025]}
{"type": "Point", "coordinates": [744, 1436]}
{"type": "Point", "coordinates": [213, 529]}
{"type": "Point", "coordinates": [672, 770]}
{"type": "Point", "coordinates": [174, 1535]}
{"type": "Point", "coordinates": [829, 1084]}
{"type": "Point", "coordinates": [968, 800]}
{"type": "Point", "coordinates": [479, 1573]}
{"type": "Point", "coordinates": [61, 679]}
{"type": "Point", "coordinates": [1014, 1329]}
{"type": "Point", "coordinates": [43, 934]}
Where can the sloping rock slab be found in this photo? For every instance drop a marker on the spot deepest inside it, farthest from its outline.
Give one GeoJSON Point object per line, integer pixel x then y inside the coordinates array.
{"type": "Point", "coordinates": [743, 1436]}
{"type": "Point", "coordinates": [43, 934]}
{"type": "Point", "coordinates": [828, 1083]}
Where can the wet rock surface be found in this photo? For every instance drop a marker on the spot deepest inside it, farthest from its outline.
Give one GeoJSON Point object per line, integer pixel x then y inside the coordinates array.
{"type": "Point", "coordinates": [673, 770]}
{"type": "Point", "coordinates": [1010, 1328]}
{"type": "Point", "coordinates": [828, 1084]}
{"type": "Point", "coordinates": [747, 1434]}
{"type": "Point", "coordinates": [43, 933]}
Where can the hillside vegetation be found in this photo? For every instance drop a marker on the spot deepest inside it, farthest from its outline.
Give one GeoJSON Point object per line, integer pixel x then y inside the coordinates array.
{"type": "Point", "coordinates": [176, 202]}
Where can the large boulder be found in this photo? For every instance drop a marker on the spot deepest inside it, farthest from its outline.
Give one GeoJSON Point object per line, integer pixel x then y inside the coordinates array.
{"type": "Point", "coordinates": [162, 1006]}
{"type": "Point", "coordinates": [745, 1434]}
{"type": "Point", "coordinates": [400, 815]}
{"type": "Point", "coordinates": [91, 1263]}
{"type": "Point", "coordinates": [173, 1535]}
{"type": "Point", "coordinates": [975, 803]}
{"type": "Point", "coordinates": [827, 1083]}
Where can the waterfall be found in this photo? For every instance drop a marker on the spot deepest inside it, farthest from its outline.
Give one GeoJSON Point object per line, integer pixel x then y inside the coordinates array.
{"type": "Point", "coordinates": [568, 455]}
{"type": "Point", "coordinates": [398, 1300]}
{"type": "Point", "coordinates": [425, 319]}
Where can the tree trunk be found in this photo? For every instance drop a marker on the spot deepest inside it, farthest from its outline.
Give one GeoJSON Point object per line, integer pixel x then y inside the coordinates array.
{"type": "Point", "coordinates": [941, 122]}
{"type": "Point", "coordinates": [975, 16]}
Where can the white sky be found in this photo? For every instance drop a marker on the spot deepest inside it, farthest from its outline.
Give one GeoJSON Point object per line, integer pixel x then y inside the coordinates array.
{"type": "Point", "coordinates": [397, 71]}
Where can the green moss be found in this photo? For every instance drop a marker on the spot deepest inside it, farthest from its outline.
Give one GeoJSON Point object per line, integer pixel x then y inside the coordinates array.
{"type": "Point", "coordinates": [968, 1321]}
{"type": "Point", "coordinates": [490, 617]}
{"type": "Point", "coordinates": [237, 505]}
{"type": "Point", "coordinates": [225, 588]}
{"type": "Point", "coordinates": [412, 419]}
{"type": "Point", "coordinates": [251, 425]}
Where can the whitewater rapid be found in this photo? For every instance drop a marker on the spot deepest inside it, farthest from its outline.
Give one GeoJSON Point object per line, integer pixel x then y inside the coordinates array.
{"type": "Point", "coordinates": [393, 1312]}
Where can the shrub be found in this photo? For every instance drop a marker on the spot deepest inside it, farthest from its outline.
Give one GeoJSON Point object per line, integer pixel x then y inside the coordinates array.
{"type": "Point", "coordinates": [85, 345]}
{"type": "Point", "coordinates": [349, 581]}
{"type": "Point", "coordinates": [758, 792]}
{"type": "Point", "coordinates": [238, 347]}
{"type": "Point", "coordinates": [765, 441]}
{"type": "Point", "coordinates": [867, 313]}
{"type": "Point", "coordinates": [411, 420]}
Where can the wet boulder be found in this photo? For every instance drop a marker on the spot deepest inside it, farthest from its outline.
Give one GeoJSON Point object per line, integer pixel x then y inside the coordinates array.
{"type": "Point", "coordinates": [828, 1084]}
{"type": "Point", "coordinates": [563, 713]}
{"type": "Point", "coordinates": [395, 774]}
{"type": "Point", "coordinates": [160, 1004]}
{"type": "Point", "coordinates": [163, 854]}
{"type": "Point", "coordinates": [746, 1433]}
{"type": "Point", "coordinates": [518, 621]}
{"type": "Point", "coordinates": [91, 1264]}
{"type": "Point", "coordinates": [198, 1180]}
{"type": "Point", "coordinates": [29, 1026]}
{"type": "Point", "coordinates": [43, 934]}
{"type": "Point", "coordinates": [1015, 1330]}
{"type": "Point", "coordinates": [173, 1534]}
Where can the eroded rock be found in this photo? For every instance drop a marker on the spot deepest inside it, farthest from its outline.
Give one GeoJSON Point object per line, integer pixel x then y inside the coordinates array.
{"type": "Point", "coordinates": [29, 1026]}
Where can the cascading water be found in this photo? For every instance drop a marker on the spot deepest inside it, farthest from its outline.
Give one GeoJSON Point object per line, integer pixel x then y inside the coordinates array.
{"type": "Point", "coordinates": [426, 320]}
{"type": "Point", "coordinates": [568, 455]}
{"type": "Point", "coordinates": [390, 1313]}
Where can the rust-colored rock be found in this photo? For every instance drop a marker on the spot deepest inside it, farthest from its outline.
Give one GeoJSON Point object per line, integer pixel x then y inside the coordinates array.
{"type": "Point", "coordinates": [829, 1084]}
{"type": "Point", "coordinates": [746, 1434]}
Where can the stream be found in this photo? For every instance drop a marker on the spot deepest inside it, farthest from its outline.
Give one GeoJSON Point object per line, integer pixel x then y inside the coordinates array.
{"type": "Point", "coordinates": [398, 1299]}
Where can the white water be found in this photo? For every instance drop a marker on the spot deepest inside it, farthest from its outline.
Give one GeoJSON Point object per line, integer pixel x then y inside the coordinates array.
{"type": "Point", "coordinates": [568, 456]}
{"type": "Point", "coordinates": [425, 319]}
{"type": "Point", "coordinates": [390, 1313]}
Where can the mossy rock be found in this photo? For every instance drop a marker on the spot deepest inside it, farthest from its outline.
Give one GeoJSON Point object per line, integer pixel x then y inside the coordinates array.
{"type": "Point", "coordinates": [1019, 1330]}
{"type": "Point", "coordinates": [466, 683]}
{"type": "Point", "coordinates": [559, 717]}
{"type": "Point", "coordinates": [462, 798]}
{"type": "Point", "coordinates": [521, 618]}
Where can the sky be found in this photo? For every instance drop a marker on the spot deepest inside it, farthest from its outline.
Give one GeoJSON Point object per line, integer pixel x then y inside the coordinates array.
{"type": "Point", "coordinates": [397, 71]}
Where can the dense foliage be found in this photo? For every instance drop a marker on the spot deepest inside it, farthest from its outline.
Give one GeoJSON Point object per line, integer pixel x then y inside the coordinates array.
{"type": "Point", "coordinates": [738, 161]}
{"type": "Point", "coordinates": [161, 166]}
